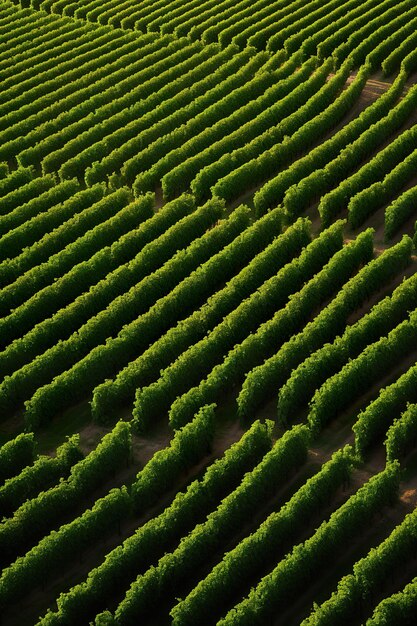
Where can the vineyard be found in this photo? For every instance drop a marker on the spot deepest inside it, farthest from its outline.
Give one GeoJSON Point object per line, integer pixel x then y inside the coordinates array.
{"type": "Point", "coordinates": [208, 313]}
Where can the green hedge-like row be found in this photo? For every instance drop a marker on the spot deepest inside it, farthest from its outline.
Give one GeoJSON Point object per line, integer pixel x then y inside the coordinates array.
{"type": "Point", "coordinates": [140, 79]}
{"type": "Point", "coordinates": [376, 29]}
{"type": "Point", "coordinates": [322, 17]}
{"type": "Point", "coordinates": [136, 336]}
{"type": "Point", "coordinates": [15, 200]}
{"type": "Point", "coordinates": [346, 22]}
{"type": "Point", "coordinates": [317, 117]}
{"type": "Point", "coordinates": [341, 35]}
{"type": "Point", "coordinates": [160, 581]}
{"type": "Point", "coordinates": [124, 304]}
{"type": "Point", "coordinates": [231, 28]}
{"type": "Point", "coordinates": [151, 540]}
{"type": "Point", "coordinates": [275, 332]}
{"type": "Point", "coordinates": [372, 130]}
{"type": "Point", "coordinates": [16, 454]}
{"type": "Point", "coordinates": [84, 275]}
{"type": "Point", "coordinates": [367, 201]}
{"type": "Point", "coordinates": [325, 361]}
{"type": "Point", "coordinates": [406, 47]}
{"type": "Point", "coordinates": [152, 77]}
{"type": "Point", "coordinates": [264, 381]}
{"type": "Point", "coordinates": [278, 18]}
{"type": "Point", "coordinates": [354, 591]}
{"type": "Point", "coordinates": [260, 158]}
{"type": "Point", "coordinates": [402, 434]}
{"type": "Point", "coordinates": [246, 252]}
{"type": "Point", "coordinates": [43, 115]}
{"type": "Point", "coordinates": [196, 362]}
{"type": "Point", "coordinates": [374, 421]}
{"type": "Point", "coordinates": [61, 547]}
{"type": "Point", "coordinates": [54, 212]}
{"type": "Point", "coordinates": [36, 517]}
{"type": "Point", "coordinates": [281, 91]}
{"type": "Point", "coordinates": [234, 27]}
{"type": "Point", "coordinates": [54, 70]}
{"type": "Point", "coordinates": [398, 608]}
{"type": "Point", "coordinates": [323, 179]}
{"type": "Point", "coordinates": [44, 473]}
{"type": "Point", "coordinates": [80, 152]}
{"type": "Point", "coordinates": [13, 180]}
{"type": "Point", "coordinates": [399, 211]}
{"type": "Point", "coordinates": [337, 199]}
{"type": "Point", "coordinates": [15, 227]}
{"type": "Point", "coordinates": [60, 33]}
{"type": "Point", "coordinates": [145, 169]}
{"type": "Point", "coordinates": [189, 445]}
{"type": "Point", "coordinates": [45, 334]}
{"type": "Point", "coordinates": [361, 373]}
{"type": "Point", "coordinates": [307, 560]}
{"type": "Point", "coordinates": [80, 236]}
{"type": "Point", "coordinates": [294, 182]}
{"type": "Point", "coordinates": [23, 24]}
{"type": "Point", "coordinates": [189, 93]}
{"type": "Point", "coordinates": [248, 558]}
{"type": "Point", "coordinates": [395, 32]}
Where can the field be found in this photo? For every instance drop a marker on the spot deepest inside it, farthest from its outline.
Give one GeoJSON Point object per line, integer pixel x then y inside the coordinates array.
{"type": "Point", "coordinates": [208, 313]}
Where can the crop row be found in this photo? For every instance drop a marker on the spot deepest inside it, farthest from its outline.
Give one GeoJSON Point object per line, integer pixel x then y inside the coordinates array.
{"type": "Point", "coordinates": [260, 265]}
{"type": "Point", "coordinates": [191, 366]}
{"type": "Point", "coordinates": [270, 335]}
{"type": "Point", "coordinates": [266, 380]}
{"type": "Point", "coordinates": [149, 542]}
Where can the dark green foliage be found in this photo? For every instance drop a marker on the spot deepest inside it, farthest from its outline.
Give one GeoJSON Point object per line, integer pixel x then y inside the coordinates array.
{"type": "Point", "coordinates": [16, 454]}
{"type": "Point", "coordinates": [298, 185]}
{"type": "Point", "coordinates": [268, 153]}
{"type": "Point", "coordinates": [15, 180]}
{"type": "Point", "coordinates": [326, 361]}
{"type": "Point", "coordinates": [60, 548]}
{"type": "Point", "coordinates": [151, 540]}
{"type": "Point", "coordinates": [272, 334]}
{"type": "Point", "coordinates": [185, 90]}
{"type": "Point", "coordinates": [95, 143]}
{"type": "Point", "coordinates": [355, 591]}
{"type": "Point", "coordinates": [36, 517]}
{"type": "Point", "coordinates": [14, 207]}
{"type": "Point", "coordinates": [179, 338]}
{"type": "Point", "coordinates": [196, 362]}
{"type": "Point", "coordinates": [306, 561]}
{"type": "Point", "coordinates": [376, 29]}
{"type": "Point", "coordinates": [44, 473]}
{"type": "Point", "coordinates": [402, 434]}
{"type": "Point", "coordinates": [249, 557]}
{"type": "Point", "coordinates": [73, 242]}
{"type": "Point", "coordinates": [64, 265]}
{"type": "Point", "coordinates": [62, 203]}
{"type": "Point", "coordinates": [359, 374]}
{"type": "Point", "coordinates": [374, 421]}
{"type": "Point", "coordinates": [188, 446]}
{"type": "Point", "coordinates": [264, 381]}
{"type": "Point", "coordinates": [367, 201]}
{"type": "Point", "coordinates": [175, 283]}
{"type": "Point", "coordinates": [158, 583]}
{"type": "Point", "coordinates": [277, 99]}
{"type": "Point", "coordinates": [399, 211]}
{"type": "Point", "coordinates": [146, 169]}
